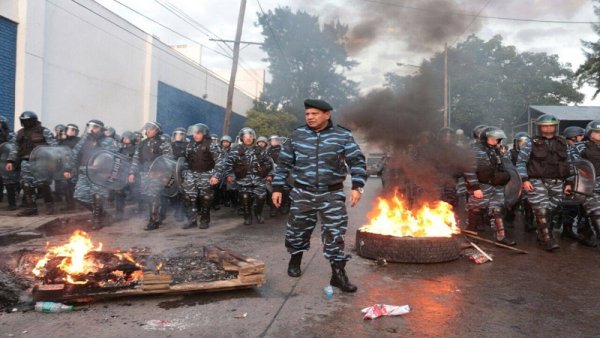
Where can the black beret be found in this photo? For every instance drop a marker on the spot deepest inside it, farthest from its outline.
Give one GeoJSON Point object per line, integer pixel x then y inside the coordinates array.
{"type": "Point", "coordinates": [319, 104]}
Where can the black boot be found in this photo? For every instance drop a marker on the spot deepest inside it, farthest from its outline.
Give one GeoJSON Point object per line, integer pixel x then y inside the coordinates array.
{"type": "Point", "coordinates": [206, 202]}
{"type": "Point", "coordinates": [474, 217]}
{"type": "Point", "coordinates": [529, 218]}
{"type": "Point", "coordinates": [154, 221]}
{"type": "Point", "coordinates": [191, 213]}
{"type": "Point", "coordinates": [97, 212]}
{"type": "Point", "coordinates": [162, 209]}
{"type": "Point", "coordinates": [29, 201]}
{"type": "Point", "coordinates": [501, 236]}
{"type": "Point", "coordinates": [246, 200]}
{"type": "Point", "coordinates": [485, 219]}
{"type": "Point", "coordinates": [339, 278]}
{"type": "Point", "coordinates": [11, 195]}
{"type": "Point", "coordinates": [46, 193]}
{"type": "Point", "coordinates": [294, 265]}
{"type": "Point", "coordinates": [260, 205]}
{"type": "Point", "coordinates": [544, 235]}
{"type": "Point", "coordinates": [285, 202]}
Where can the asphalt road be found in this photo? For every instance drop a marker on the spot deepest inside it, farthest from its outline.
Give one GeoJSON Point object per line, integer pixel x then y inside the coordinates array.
{"type": "Point", "coordinates": [534, 295]}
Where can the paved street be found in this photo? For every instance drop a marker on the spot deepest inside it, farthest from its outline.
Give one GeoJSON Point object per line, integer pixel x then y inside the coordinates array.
{"type": "Point", "coordinates": [535, 295]}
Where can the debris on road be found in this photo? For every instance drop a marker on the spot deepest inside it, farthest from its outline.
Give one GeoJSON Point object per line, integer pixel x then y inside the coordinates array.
{"type": "Point", "coordinates": [379, 310]}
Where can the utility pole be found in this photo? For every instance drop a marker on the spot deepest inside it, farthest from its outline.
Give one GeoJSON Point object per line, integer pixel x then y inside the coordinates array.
{"type": "Point", "coordinates": [445, 84]}
{"type": "Point", "coordinates": [234, 65]}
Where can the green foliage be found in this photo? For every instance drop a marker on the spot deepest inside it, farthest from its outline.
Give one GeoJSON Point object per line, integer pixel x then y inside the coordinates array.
{"type": "Point", "coordinates": [267, 121]}
{"type": "Point", "coordinates": [306, 60]}
{"type": "Point", "coordinates": [492, 83]}
{"type": "Point", "coordinates": [589, 71]}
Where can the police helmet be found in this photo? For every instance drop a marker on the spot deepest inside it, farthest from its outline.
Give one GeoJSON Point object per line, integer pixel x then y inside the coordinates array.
{"type": "Point", "coordinates": [198, 128]}
{"type": "Point", "coordinates": [477, 131]}
{"type": "Point", "coordinates": [492, 132]}
{"type": "Point", "coordinates": [28, 119]}
{"type": "Point", "coordinates": [153, 125]}
{"type": "Point", "coordinates": [226, 138]}
{"type": "Point", "coordinates": [592, 126]}
{"type": "Point", "coordinates": [95, 123]}
{"type": "Point", "coordinates": [519, 137]}
{"type": "Point", "coordinates": [262, 139]}
{"type": "Point", "coordinates": [573, 131]}
{"type": "Point", "coordinates": [247, 130]}
{"type": "Point", "coordinates": [74, 127]}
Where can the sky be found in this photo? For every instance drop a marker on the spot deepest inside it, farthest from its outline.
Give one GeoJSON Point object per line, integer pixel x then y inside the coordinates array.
{"type": "Point", "coordinates": [382, 32]}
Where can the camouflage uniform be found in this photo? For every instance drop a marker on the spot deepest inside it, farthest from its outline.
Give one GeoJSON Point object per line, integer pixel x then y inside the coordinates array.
{"type": "Point", "coordinates": [151, 189]}
{"type": "Point", "coordinates": [132, 189]}
{"type": "Point", "coordinates": [317, 162]}
{"type": "Point", "coordinates": [10, 179]}
{"type": "Point", "coordinates": [545, 164]}
{"type": "Point", "coordinates": [177, 201]}
{"type": "Point", "coordinates": [489, 176]}
{"type": "Point", "coordinates": [90, 195]}
{"type": "Point", "coordinates": [25, 141]}
{"type": "Point", "coordinates": [250, 165]}
{"type": "Point", "coordinates": [273, 152]}
{"type": "Point", "coordinates": [590, 151]}
{"type": "Point", "coordinates": [204, 160]}
{"type": "Point", "coordinates": [66, 187]}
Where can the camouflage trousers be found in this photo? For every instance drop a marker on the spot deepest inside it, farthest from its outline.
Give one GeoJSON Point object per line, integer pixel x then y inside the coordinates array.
{"type": "Point", "coordinates": [546, 194]}
{"type": "Point", "coordinates": [592, 204]}
{"type": "Point", "coordinates": [150, 188]}
{"type": "Point", "coordinates": [493, 198]}
{"type": "Point", "coordinates": [27, 179]}
{"type": "Point", "coordinates": [197, 184]}
{"type": "Point", "coordinates": [85, 189]}
{"type": "Point", "coordinates": [259, 190]}
{"type": "Point", "coordinates": [331, 209]}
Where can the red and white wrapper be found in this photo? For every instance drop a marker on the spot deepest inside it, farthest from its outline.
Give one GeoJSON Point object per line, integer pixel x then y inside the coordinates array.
{"type": "Point", "coordinates": [379, 310]}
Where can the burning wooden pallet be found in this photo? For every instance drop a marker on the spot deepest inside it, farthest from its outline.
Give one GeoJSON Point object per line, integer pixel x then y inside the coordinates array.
{"type": "Point", "coordinates": [248, 272]}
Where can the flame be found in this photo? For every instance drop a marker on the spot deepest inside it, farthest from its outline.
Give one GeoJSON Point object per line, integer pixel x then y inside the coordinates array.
{"type": "Point", "coordinates": [77, 263]}
{"type": "Point", "coordinates": [393, 217]}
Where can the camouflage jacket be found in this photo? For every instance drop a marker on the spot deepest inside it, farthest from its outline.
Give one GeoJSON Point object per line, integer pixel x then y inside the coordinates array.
{"type": "Point", "coordinates": [319, 159]}
{"type": "Point", "coordinates": [148, 150]}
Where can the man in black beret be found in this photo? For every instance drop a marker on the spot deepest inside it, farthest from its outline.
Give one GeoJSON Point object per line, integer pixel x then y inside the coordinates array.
{"type": "Point", "coordinates": [316, 156]}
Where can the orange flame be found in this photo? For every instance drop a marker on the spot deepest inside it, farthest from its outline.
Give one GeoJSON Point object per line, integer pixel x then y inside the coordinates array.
{"type": "Point", "coordinates": [76, 261]}
{"type": "Point", "coordinates": [429, 220]}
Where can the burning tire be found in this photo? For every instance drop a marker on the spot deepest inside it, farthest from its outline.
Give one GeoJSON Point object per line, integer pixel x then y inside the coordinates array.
{"type": "Point", "coordinates": [407, 249]}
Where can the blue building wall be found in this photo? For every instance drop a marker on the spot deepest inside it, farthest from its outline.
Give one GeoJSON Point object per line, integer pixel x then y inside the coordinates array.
{"type": "Point", "coordinates": [176, 108]}
{"type": "Point", "coordinates": [8, 62]}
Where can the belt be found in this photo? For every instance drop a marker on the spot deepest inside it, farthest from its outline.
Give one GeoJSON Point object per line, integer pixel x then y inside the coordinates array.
{"type": "Point", "coordinates": [328, 188]}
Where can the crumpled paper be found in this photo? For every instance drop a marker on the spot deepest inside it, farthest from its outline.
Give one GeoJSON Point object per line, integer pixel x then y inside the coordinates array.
{"type": "Point", "coordinates": [379, 310]}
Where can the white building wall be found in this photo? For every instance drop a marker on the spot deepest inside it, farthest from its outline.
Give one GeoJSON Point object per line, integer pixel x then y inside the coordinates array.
{"type": "Point", "coordinates": [74, 65]}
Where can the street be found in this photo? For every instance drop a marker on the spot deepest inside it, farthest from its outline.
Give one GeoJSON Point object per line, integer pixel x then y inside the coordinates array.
{"type": "Point", "coordinates": [534, 295]}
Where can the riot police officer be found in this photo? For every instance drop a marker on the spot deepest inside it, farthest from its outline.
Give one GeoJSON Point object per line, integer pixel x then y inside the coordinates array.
{"type": "Point", "coordinates": [261, 141]}
{"type": "Point", "coordinates": [486, 181]}
{"type": "Point", "coordinates": [590, 150]}
{"type": "Point", "coordinates": [273, 150]}
{"type": "Point", "coordinates": [250, 166]}
{"type": "Point", "coordinates": [66, 187]}
{"type": "Point", "coordinates": [90, 195]}
{"type": "Point", "coordinates": [10, 180]}
{"type": "Point", "coordinates": [226, 192]}
{"type": "Point", "coordinates": [178, 142]}
{"type": "Point", "coordinates": [32, 134]}
{"type": "Point", "coordinates": [205, 170]}
{"type": "Point", "coordinates": [543, 165]}
{"type": "Point", "coordinates": [316, 155]}
{"type": "Point", "coordinates": [154, 145]}
{"type": "Point", "coordinates": [520, 139]}
{"type": "Point", "coordinates": [127, 148]}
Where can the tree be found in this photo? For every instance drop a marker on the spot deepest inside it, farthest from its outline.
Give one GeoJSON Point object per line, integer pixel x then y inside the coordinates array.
{"type": "Point", "coordinates": [306, 60]}
{"type": "Point", "coordinates": [589, 71]}
{"type": "Point", "coordinates": [267, 121]}
{"type": "Point", "coordinates": [493, 83]}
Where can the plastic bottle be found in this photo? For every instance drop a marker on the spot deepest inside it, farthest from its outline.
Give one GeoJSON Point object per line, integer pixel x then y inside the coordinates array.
{"type": "Point", "coordinates": [52, 307]}
{"type": "Point", "coordinates": [328, 290]}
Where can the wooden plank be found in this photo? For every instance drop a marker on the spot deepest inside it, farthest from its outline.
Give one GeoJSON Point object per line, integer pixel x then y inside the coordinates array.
{"type": "Point", "coordinates": [155, 287]}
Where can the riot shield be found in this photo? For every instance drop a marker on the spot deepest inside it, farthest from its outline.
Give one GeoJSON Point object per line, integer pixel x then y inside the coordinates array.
{"type": "Point", "coordinates": [164, 171]}
{"type": "Point", "coordinates": [49, 162]}
{"type": "Point", "coordinates": [179, 168]}
{"type": "Point", "coordinates": [512, 190]}
{"type": "Point", "coordinates": [108, 169]}
{"type": "Point", "coordinates": [584, 183]}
